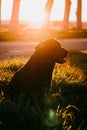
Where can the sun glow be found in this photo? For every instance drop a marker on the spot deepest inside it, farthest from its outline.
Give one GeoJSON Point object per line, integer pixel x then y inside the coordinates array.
{"type": "Point", "coordinates": [33, 11]}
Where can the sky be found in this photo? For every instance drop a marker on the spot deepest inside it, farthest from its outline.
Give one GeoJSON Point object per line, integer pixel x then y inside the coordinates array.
{"type": "Point", "coordinates": [32, 10]}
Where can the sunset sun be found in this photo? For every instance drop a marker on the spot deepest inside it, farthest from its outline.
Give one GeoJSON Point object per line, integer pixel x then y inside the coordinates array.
{"type": "Point", "coordinates": [33, 11]}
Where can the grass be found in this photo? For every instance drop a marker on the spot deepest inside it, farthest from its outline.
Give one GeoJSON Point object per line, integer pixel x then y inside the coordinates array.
{"type": "Point", "coordinates": [38, 34]}
{"type": "Point", "coordinates": [65, 104]}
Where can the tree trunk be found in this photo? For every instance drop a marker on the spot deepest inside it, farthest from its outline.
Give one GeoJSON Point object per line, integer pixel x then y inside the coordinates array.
{"type": "Point", "coordinates": [79, 15]}
{"type": "Point", "coordinates": [48, 8]}
{"type": "Point", "coordinates": [66, 14]}
{"type": "Point", "coordinates": [0, 13]}
{"type": "Point", "coordinates": [15, 15]}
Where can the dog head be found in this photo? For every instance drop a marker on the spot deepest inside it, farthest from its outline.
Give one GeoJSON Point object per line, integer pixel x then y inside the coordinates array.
{"type": "Point", "coordinates": [52, 49]}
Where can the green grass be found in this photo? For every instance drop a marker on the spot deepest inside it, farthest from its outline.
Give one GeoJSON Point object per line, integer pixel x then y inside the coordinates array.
{"type": "Point", "coordinates": [65, 104]}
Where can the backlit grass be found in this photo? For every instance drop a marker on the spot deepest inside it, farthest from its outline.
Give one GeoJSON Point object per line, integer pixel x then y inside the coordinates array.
{"type": "Point", "coordinates": [38, 34]}
{"type": "Point", "coordinates": [65, 104]}
{"type": "Point", "coordinates": [10, 66]}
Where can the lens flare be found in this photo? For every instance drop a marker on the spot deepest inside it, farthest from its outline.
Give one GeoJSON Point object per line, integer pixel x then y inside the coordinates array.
{"type": "Point", "coordinates": [51, 119]}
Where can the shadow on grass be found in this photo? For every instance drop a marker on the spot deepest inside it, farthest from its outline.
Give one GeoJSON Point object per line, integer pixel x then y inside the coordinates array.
{"type": "Point", "coordinates": [65, 94]}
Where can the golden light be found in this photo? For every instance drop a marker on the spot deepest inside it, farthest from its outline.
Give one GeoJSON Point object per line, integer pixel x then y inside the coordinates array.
{"type": "Point", "coordinates": [33, 10]}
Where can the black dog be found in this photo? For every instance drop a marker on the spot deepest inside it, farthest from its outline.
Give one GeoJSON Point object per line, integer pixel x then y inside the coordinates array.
{"type": "Point", "coordinates": [36, 74]}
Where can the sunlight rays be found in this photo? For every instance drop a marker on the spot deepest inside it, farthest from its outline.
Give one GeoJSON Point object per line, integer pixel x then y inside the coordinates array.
{"type": "Point", "coordinates": [33, 10]}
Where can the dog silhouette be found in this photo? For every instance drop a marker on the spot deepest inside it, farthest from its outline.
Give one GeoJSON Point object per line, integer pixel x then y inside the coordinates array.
{"type": "Point", "coordinates": [35, 76]}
